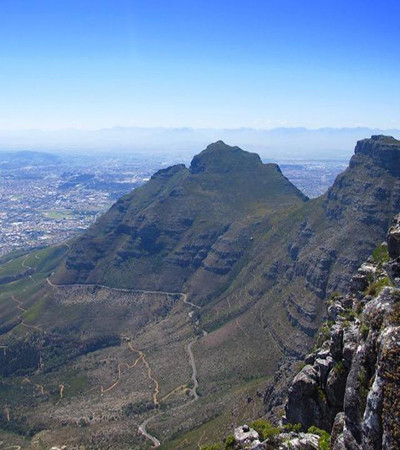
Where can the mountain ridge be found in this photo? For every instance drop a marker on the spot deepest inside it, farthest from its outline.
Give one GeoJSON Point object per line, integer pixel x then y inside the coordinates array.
{"type": "Point", "coordinates": [255, 260]}
{"type": "Point", "coordinates": [223, 186]}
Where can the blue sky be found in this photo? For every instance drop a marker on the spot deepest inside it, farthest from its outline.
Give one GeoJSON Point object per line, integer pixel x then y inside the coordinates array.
{"type": "Point", "coordinates": [176, 63]}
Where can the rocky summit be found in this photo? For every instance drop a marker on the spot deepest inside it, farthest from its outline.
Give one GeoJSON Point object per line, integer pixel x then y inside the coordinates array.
{"type": "Point", "coordinates": [184, 311]}
{"type": "Point", "coordinates": [182, 223]}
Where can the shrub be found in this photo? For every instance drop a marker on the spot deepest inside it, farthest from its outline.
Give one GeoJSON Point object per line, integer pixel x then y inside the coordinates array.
{"type": "Point", "coordinates": [380, 255]}
{"type": "Point", "coordinates": [265, 429]}
{"type": "Point", "coordinates": [376, 287]}
{"type": "Point", "coordinates": [323, 335]}
{"type": "Point", "coordinates": [230, 442]}
{"type": "Point", "coordinates": [325, 438]}
{"type": "Point", "coordinates": [339, 368]}
{"type": "Point", "coordinates": [350, 314]}
{"type": "Point", "coordinates": [292, 427]}
{"type": "Point", "coordinates": [321, 394]}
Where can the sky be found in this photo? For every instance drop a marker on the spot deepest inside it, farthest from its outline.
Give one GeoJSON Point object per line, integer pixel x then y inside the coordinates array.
{"type": "Point", "coordinates": [188, 63]}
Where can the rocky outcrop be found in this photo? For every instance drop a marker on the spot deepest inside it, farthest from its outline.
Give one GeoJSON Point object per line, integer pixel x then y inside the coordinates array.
{"type": "Point", "coordinates": [393, 238]}
{"type": "Point", "coordinates": [245, 437]}
{"type": "Point", "coordinates": [384, 150]}
{"type": "Point", "coordinates": [350, 383]}
{"type": "Point", "coordinates": [300, 441]}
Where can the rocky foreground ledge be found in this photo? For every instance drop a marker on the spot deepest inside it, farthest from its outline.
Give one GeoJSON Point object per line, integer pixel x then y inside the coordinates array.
{"type": "Point", "coordinates": [349, 385]}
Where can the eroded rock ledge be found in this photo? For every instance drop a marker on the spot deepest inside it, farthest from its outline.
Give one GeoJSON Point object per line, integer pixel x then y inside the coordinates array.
{"type": "Point", "coordinates": [350, 384]}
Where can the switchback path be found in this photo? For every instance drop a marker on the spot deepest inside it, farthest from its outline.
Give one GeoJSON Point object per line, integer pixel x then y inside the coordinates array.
{"type": "Point", "coordinates": [23, 310]}
{"type": "Point", "coordinates": [142, 427]}
{"type": "Point", "coordinates": [123, 364]}
{"type": "Point", "coordinates": [24, 265]}
{"type": "Point", "coordinates": [39, 386]}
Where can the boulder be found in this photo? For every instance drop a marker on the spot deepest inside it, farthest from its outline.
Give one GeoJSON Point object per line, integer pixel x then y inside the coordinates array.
{"type": "Point", "coordinates": [334, 310]}
{"type": "Point", "coordinates": [246, 436]}
{"type": "Point", "coordinates": [304, 441]}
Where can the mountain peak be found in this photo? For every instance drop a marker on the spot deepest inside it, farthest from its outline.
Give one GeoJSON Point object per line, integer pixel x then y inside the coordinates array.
{"type": "Point", "coordinates": [219, 157]}
{"type": "Point", "coordinates": [383, 150]}
{"type": "Point", "coordinates": [390, 140]}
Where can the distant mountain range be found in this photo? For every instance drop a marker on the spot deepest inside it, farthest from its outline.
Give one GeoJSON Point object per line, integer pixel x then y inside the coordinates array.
{"type": "Point", "coordinates": [21, 158]}
{"type": "Point", "coordinates": [278, 143]}
{"type": "Point", "coordinates": [175, 309]}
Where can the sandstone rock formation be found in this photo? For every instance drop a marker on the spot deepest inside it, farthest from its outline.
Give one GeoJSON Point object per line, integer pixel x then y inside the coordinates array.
{"type": "Point", "coordinates": [350, 385]}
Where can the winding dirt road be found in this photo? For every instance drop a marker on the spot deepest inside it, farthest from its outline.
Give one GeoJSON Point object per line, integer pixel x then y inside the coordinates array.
{"type": "Point", "coordinates": [194, 370]}
{"type": "Point", "coordinates": [23, 310]}
{"type": "Point", "coordinates": [142, 427]}
{"type": "Point", "coordinates": [142, 431]}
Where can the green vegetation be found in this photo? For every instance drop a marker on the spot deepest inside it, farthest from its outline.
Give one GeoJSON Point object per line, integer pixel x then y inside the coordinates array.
{"type": "Point", "coordinates": [349, 314]}
{"type": "Point", "coordinates": [292, 427]}
{"type": "Point", "coordinates": [364, 329]}
{"type": "Point", "coordinates": [381, 255]}
{"type": "Point", "coordinates": [58, 215]}
{"type": "Point", "coordinates": [335, 295]}
{"type": "Point", "coordinates": [300, 366]}
{"type": "Point", "coordinates": [230, 442]}
{"type": "Point", "coordinates": [33, 313]}
{"type": "Point", "coordinates": [212, 447]}
{"type": "Point", "coordinates": [265, 429]}
{"type": "Point", "coordinates": [75, 383]}
{"type": "Point", "coordinates": [325, 437]}
{"type": "Point", "coordinates": [323, 335]}
{"type": "Point", "coordinates": [321, 394]}
{"type": "Point", "coordinates": [375, 287]}
{"type": "Point", "coordinates": [133, 409]}
{"type": "Point", "coordinates": [339, 368]}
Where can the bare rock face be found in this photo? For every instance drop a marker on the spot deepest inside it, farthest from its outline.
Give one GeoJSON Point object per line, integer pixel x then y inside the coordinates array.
{"type": "Point", "coordinates": [393, 238]}
{"type": "Point", "coordinates": [246, 437]}
{"type": "Point", "coordinates": [303, 405]}
{"type": "Point", "coordinates": [350, 385]}
{"type": "Point", "coordinates": [304, 441]}
{"type": "Point", "coordinates": [384, 150]}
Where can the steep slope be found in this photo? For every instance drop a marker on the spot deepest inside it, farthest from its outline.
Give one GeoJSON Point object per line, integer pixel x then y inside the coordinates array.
{"type": "Point", "coordinates": [311, 253]}
{"type": "Point", "coordinates": [158, 236]}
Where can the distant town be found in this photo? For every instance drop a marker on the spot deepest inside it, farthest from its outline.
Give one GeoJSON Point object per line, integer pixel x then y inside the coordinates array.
{"type": "Point", "coordinates": [46, 199]}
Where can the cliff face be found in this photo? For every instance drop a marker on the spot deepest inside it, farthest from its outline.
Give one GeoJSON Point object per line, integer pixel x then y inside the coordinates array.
{"type": "Point", "coordinates": [350, 384]}
{"type": "Point", "coordinates": [383, 150]}
{"type": "Point", "coordinates": [315, 250]}
{"type": "Point", "coordinates": [181, 222]}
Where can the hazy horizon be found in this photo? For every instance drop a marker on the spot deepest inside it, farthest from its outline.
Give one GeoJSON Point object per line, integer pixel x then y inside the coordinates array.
{"type": "Point", "coordinates": [277, 143]}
